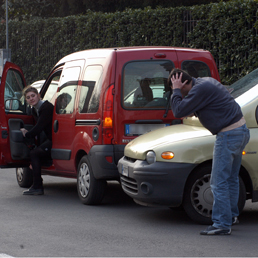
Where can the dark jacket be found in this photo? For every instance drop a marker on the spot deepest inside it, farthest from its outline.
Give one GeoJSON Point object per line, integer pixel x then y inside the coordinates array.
{"type": "Point", "coordinates": [44, 121]}
{"type": "Point", "coordinates": [210, 101]}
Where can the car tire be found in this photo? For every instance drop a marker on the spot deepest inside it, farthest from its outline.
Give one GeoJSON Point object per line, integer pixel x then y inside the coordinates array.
{"type": "Point", "coordinates": [24, 177]}
{"type": "Point", "coordinates": [90, 190]}
{"type": "Point", "coordinates": [198, 198]}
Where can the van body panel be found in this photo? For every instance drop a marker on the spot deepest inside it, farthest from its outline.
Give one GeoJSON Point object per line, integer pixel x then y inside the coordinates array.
{"type": "Point", "coordinates": [64, 132]}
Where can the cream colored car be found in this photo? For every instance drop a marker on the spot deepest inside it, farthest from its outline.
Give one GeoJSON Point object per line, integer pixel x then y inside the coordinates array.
{"type": "Point", "coordinates": [171, 166]}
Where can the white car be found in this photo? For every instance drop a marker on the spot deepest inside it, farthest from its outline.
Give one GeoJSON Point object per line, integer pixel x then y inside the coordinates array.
{"type": "Point", "coordinates": [38, 84]}
{"type": "Point", "coordinates": [171, 166]}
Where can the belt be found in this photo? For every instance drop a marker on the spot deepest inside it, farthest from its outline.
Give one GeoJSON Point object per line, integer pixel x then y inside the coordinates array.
{"type": "Point", "coordinates": [235, 125]}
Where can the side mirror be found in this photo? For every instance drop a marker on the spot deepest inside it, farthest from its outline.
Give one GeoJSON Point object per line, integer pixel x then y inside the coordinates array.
{"type": "Point", "coordinates": [12, 104]}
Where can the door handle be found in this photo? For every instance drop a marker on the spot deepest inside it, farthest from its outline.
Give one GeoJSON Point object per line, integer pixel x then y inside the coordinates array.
{"type": "Point", "coordinates": [55, 126]}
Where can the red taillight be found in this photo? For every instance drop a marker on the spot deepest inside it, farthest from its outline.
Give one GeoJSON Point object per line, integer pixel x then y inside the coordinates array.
{"type": "Point", "coordinates": [108, 116]}
{"type": "Point", "coordinates": [109, 159]}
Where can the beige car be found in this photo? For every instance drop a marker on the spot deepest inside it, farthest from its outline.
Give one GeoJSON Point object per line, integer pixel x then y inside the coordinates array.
{"type": "Point", "coordinates": [171, 166]}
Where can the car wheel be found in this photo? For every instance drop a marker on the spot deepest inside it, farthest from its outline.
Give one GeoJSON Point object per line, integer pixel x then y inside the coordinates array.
{"type": "Point", "coordinates": [24, 177]}
{"type": "Point", "coordinates": [90, 190]}
{"type": "Point", "coordinates": [198, 198]}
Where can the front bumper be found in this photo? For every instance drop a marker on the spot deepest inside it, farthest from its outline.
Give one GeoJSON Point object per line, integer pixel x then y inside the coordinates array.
{"type": "Point", "coordinates": [161, 183]}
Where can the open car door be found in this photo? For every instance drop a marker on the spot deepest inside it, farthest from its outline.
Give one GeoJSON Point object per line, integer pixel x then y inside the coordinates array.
{"type": "Point", "coordinates": [14, 114]}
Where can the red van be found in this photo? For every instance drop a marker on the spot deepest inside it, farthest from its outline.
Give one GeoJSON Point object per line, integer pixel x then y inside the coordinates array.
{"type": "Point", "coordinates": [114, 94]}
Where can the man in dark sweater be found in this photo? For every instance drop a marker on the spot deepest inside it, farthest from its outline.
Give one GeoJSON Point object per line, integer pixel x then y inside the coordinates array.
{"type": "Point", "coordinates": [217, 110]}
{"type": "Point", "coordinates": [43, 113]}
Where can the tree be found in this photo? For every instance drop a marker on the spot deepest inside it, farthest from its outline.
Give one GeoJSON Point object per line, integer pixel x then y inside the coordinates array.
{"type": "Point", "coordinates": [28, 9]}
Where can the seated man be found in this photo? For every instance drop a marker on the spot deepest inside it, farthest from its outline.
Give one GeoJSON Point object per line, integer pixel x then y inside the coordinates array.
{"type": "Point", "coordinates": [143, 94]}
{"type": "Point", "coordinates": [43, 114]}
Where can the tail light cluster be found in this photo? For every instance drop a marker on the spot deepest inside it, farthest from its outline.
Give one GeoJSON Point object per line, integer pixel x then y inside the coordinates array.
{"type": "Point", "coordinates": [108, 116]}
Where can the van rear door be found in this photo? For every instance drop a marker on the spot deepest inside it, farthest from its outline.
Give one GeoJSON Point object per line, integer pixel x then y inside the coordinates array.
{"type": "Point", "coordinates": [144, 92]}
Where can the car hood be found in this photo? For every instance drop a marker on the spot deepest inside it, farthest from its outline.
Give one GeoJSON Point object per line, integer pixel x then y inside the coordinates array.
{"type": "Point", "coordinates": [166, 138]}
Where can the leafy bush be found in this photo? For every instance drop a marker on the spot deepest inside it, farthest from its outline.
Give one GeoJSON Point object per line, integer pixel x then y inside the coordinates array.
{"type": "Point", "coordinates": [227, 29]}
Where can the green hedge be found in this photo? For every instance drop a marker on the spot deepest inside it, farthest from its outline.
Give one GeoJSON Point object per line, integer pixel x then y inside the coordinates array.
{"type": "Point", "coordinates": [226, 29]}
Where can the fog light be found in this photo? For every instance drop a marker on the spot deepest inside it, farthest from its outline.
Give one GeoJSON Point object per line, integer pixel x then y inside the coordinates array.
{"type": "Point", "coordinates": [146, 188]}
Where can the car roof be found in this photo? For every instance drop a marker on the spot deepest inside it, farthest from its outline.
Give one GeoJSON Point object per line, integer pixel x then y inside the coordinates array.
{"type": "Point", "coordinates": [38, 84]}
{"type": "Point", "coordinates": [104, 52]}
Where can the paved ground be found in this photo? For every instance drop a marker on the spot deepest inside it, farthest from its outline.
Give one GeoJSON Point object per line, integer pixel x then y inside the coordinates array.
{"type": "Point", "coordinates": [58, 225]}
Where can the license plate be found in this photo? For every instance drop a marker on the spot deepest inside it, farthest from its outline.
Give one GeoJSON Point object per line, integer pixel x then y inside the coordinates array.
{"type": "Point", "coordinates": [125, 170]}
{"type": "Point", "coordinates": [139, 129]}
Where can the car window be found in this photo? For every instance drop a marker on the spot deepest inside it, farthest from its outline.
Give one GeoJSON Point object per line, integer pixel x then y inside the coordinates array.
{"type": "Point", "coordinates": [13, 96]}
{"type": "Point", "coordinates": [67, 91]}
{"type": "Point", "coordinates": [144, 84]}
{"type": "Point", "coordinates": [196, 68]}
{"type": "Point", "coordinates": [50, 94]}
{"type": "Point", "coordinates": [66, 97]}
{"type": "Point", "coordinates": [90, 89]}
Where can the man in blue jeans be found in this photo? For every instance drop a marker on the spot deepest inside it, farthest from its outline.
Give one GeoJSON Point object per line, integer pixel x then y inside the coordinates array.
{"type": "Point", "coordinates": [217, 110]}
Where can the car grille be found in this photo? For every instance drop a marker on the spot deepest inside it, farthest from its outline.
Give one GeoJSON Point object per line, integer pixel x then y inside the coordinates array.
{"type": "Point", "coordinates": [129, 185]}
{"type": "Point", "coordinates": [130, 159]}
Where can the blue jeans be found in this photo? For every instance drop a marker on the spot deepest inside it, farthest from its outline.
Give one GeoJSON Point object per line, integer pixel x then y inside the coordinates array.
{"type": "Point", "coordinates": [227, 157]}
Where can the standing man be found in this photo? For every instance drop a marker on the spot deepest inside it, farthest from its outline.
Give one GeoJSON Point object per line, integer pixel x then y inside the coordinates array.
{"type": "Point", "coordinates": [43, 114]}
{"type": "Point", "coordinates": [217, 110]}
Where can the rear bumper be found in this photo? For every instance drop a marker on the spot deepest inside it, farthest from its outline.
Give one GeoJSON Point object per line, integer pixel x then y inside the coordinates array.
{"type": "Point", "coordinates": [99, 157]}
{"type": "Point", "coordinates": [161, 183]}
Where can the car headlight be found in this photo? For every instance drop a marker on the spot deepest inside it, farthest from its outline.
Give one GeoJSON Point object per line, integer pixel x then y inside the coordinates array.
{"type": "Point", "coordinates": [151, 157]}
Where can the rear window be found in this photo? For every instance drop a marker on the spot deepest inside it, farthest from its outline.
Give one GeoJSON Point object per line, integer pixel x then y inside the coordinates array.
{"type": "Point", "coordinates": [196, 68]}
{"type": "Point", "coordinates": [144, 84]}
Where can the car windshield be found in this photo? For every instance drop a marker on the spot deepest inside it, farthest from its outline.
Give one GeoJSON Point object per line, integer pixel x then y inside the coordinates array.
{"type": "Point", "coordinates": [244, 84]}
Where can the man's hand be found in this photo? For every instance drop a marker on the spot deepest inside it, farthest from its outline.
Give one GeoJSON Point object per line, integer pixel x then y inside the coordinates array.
{"type": "Point", "coordinates": [177, 82]}
{"type": "Point", "coordinates": [24, 131]}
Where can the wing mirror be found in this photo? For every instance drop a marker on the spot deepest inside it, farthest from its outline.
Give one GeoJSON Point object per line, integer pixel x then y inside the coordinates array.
{"type": "Point", "coordinates": [12, 104]}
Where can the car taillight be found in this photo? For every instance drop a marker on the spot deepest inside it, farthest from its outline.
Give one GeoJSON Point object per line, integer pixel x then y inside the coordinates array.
{"type": "Point", "coordinates": [108, 116]}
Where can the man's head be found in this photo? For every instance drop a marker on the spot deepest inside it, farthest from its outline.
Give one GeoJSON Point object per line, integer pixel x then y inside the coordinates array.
{"type": "Point", "coordinates": [186, 79]}
{"type": "Point", "coordinates": [63, 100]}
{"type": "Point", "coordinates": [31, 95]}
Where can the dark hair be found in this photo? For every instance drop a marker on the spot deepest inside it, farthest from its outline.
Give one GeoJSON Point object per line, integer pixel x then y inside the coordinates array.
{"type": "Point", "coordinates": [29, 89]}
{"type": "Point", "coordinates": [185, 77]}
{"type": "Point", "coordinates": [66, 96]}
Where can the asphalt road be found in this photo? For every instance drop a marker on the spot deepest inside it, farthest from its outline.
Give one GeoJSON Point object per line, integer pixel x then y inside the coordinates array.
{"type": "Point", "coordinates": [58, 225]}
